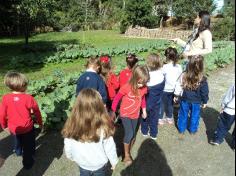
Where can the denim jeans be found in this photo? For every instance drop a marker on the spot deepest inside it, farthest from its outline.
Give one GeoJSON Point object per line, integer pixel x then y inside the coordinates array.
{"type": "Point", "coordinates": [224, 124]}
{"type": "Point", "coordinates": [167, 104]}
{"type": "Point", "coordinates": [104, 171]}
{"type": "Point", "coordinates": [184, 121]}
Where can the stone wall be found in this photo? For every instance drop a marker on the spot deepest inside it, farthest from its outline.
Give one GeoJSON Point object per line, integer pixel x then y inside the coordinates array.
{"type": "Point", "coordinates": [164, 33]}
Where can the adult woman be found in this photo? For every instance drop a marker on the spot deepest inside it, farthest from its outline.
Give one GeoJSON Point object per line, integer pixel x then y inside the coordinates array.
{"type": "Point", "coordinates": [200, 42]}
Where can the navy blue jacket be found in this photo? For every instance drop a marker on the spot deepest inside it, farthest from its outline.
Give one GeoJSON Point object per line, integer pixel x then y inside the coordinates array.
{"type": "Point", "coordinates": [92, 80]}
{"type": "Point", "coordinates": [200, 95]}
{"type": "Point", "coordinates": [154, 95]}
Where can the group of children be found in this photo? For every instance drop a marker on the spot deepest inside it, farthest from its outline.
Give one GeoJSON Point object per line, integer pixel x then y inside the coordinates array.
{"type": "Point", "coordinates": [150, 89]}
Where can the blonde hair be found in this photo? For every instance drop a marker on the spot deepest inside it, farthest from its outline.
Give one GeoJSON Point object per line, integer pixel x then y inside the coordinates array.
{"type": "Point", "coordinates": [88, 118]}
{"type": "Point", "coordinates": [93, 61]}
{"type": "Point", "coordinates": [16, 81]}
{"type": "Point", "coordinates": [154, 62]}
{"type": "Point", "coordinates": [194, 73]}
{"type": "Point", "coordinates": [139, 72]}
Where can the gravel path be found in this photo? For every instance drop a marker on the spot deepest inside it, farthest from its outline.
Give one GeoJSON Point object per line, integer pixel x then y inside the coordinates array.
{"type": "Point", "coordinates": [169, 155]}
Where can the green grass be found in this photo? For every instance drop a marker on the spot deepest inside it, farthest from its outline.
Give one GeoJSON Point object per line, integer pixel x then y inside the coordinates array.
{"type": "Point", "coordinates": [12, 47]}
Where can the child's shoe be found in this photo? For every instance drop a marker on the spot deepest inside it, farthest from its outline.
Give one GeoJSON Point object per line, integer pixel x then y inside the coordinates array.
{"type": "Point", "coordinates": [170, 121]}
{"type": "Point", "coordinates": [161, 121]}
{"type": "Point", "coordinates": [214, 142]}
{"type": "Point", "coordinates": [153, 138]}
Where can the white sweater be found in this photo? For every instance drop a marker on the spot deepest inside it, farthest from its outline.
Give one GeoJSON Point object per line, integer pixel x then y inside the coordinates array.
{"type": "Point", "coordinates": [228, 102]}
{"type": "Point", "coordinates": [171, 73]}
{"type": "Point", "coordinates": [156, 77]}
{"type": "Point", "coordinates": [91, 156]}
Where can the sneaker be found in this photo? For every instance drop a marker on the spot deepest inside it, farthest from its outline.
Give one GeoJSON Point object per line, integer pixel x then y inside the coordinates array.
{"type": "Point", "coordinates": [153, 138]}
{"type": "Point", "coordinates": [144, 135]}
{"type": "Point", "coordinates": [161, 121]}
{"type": "Point", "coordinates": [214, 142]}
{"type": "Point", "coordinates": [170, 121]}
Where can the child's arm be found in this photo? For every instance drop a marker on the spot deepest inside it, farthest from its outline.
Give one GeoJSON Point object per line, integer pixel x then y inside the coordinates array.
{"type": "Point", "coordinates": [143, 105]}
{"type": "Point", "coordinates": [67, 148]}
{"type": "Point", "coordinates": [36, 112]}
{"type": "Point", "coordinates": [110, 150]}
{"type": "Point", "coordinates": [115, 81]}
{"type": "Point", "coordinates": [204, 91]}
{"type": "Point", "coordinates": [3, 115]}
{"type": "Point", "coordinates": [178, 86]}
{"type": "Point", "coordinates": [116, 101]}
{"type": "Point", "coordinates": [228, 100]}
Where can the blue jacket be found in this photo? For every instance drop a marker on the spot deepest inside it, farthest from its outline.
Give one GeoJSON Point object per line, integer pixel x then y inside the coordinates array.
{"type": "Point", "coordinates": [154, 95]}
{"type": "Point", "coordinates": [92, 80]}
{"type": "Point", "coordinates": [200, 95]}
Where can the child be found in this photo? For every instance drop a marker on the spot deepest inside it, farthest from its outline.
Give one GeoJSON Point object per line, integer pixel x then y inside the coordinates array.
{"type": "Point", "coordinates": [15, 114]}
{"type": "Point", "coordinates": [125, 74]}
{"type": "Point", "coordinates": [172, 72]}
{"type": "Point", "coordinates": [91, 79]}
{"type": "Point", "coordinates": [111, 80]}
{"type": "Point", "coordinates": [88, 135]}
{"type": "Point", "coordinates": [227, 118]}
{"type": "Point", "coordinates": [153, 98]}
{"type": "Point", "coordinates": [133, 97]}
{"type": "Point", "coordinates": [192, 88]}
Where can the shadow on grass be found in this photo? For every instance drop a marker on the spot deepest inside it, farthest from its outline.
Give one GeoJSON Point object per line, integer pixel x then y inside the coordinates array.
{"type": "Point", "coordinates": [150, 161]}
{"type": "Point", "coordinates": [49, 147]}
{"type": "Point", "coordinates": [13, 56]}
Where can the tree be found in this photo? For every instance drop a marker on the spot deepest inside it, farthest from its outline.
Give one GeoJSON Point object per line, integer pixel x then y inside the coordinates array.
{"type": "Point", "coordinates": [33, 13]}
{"type": "Point", "coordinates": [188, 9]}
{"type": "Point", "coordinates": [139, 12]}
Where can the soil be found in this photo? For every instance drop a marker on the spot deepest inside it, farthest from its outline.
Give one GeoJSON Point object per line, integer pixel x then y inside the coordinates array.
{"type": "Point", "coordinates": [170, 155]}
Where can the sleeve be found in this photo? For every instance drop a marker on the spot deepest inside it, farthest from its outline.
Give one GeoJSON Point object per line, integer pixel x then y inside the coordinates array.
{"type": "Point", "coordinates": [116, 101]}
{"type": "Point", "coordinates": [36, 111]}
{"type": "Point", "coordinates": [144, 104]}
{"type": "Point", "coordinates": [78, 86]}
{"type": "Point", "coordinates": [102, 90]}
{"type": "Point", "coordinates": [229, 96]}
{"type": "Point", "coordinates": [204, 92]}
{"type": "Point", "coordinates": [181, 42]}
{"type": "Point", "coordinates": [178, 87]}
{"type": "Point", "coordinates": [67, 148]}
{"type": "Point", "coordinates": [110, 150]}
{"type": "Point", "coordinates": [3, 115]}
{"type": "Point", "coordinates": [206, 37]}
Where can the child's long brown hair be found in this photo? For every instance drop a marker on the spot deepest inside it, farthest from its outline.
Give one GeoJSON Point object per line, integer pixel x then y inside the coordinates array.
{"type": "Point", "coordinates": [139, 73]}
{"type": "Point", "coordinates": [88, 118]}
{"type": "Point", "coordinates": [194, 73]}
{"type": "Point", "coordinates": [106, 67]}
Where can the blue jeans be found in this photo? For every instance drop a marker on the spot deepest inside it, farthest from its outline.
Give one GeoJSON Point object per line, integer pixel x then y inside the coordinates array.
{"type": "Point", "coordinates": [130, 127]}
{"type": "Point", "coordinates": [224, 124]}
{"type": "Point", "coordinates": [184, 121]}
{"type": "Point", "coordinates": [167, 105]}
{"type": "Point", "coordinates": [104, 171]}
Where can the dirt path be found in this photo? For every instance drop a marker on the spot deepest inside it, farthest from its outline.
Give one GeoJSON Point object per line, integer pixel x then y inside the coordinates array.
{"type": "Point", "coordinates": [170, 155]}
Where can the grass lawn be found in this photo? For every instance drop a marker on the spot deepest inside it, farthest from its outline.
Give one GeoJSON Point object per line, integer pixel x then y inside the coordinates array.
{"type": "Point", "coordinates": [12, 47]}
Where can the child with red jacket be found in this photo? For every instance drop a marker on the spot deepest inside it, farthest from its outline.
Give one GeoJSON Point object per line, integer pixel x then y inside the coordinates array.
{"type": "Point", "coordinates": [16, 109]}
{"type": "Point", "coordinates": [110, 79]}
{"type": "Point", "coordinates": [126, 74]}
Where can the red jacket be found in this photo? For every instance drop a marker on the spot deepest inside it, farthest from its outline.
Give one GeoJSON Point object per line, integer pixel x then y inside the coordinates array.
{"type": "Point", "coordinates": [15, 113]}
{"type": "Point", "coordinates": [125, 75]}
{"type": "Point", "coordinates": [112, 85]}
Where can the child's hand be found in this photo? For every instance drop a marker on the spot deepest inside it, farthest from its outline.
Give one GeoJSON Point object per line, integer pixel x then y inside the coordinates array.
{"type": "Point", "coordinates": [144, 115]}
{"type": "Point", "coordinates": [204, 106]}
{"type": "Point", "coordinates": [176, 99]}
{"type": "Point", "coordinates": [113, 167]}
{"type": "Point", "coordinates": [7, 130]}
{"type": "Point", "coordinates": [113, 116]}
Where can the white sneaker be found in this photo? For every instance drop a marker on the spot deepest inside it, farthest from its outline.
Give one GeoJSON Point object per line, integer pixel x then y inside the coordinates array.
{"type": "Point", "coordinates": [170, 121]}
{"type": "Point", "coordinates": [161, 121]}
{"type": "Point", "coordinates": [153, 138]}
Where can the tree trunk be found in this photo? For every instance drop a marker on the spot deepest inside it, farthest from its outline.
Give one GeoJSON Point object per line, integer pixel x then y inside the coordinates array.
{"type": "Point", "coordinates": [124, 4]}
{"type": "Point", "coordinates": [26, 33]}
